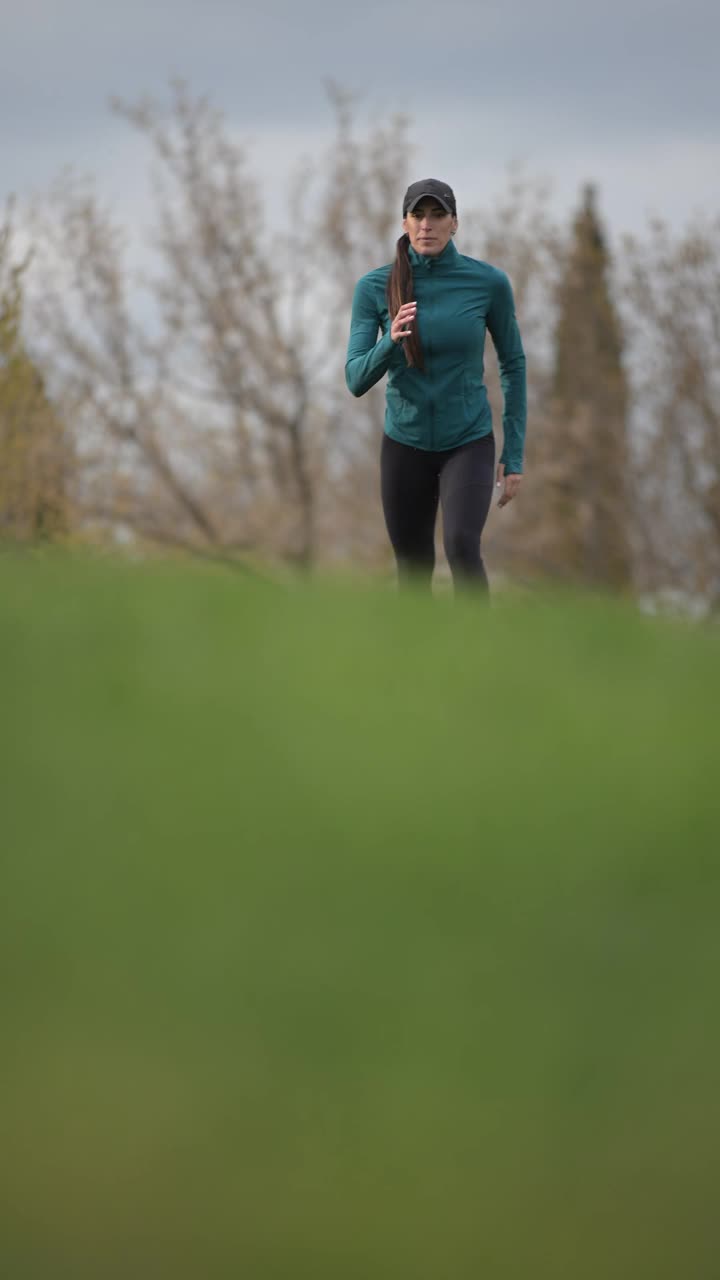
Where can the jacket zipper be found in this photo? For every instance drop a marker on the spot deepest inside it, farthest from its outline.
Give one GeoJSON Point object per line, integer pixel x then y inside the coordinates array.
{"type": "Point", "coordinates": [430, 399]}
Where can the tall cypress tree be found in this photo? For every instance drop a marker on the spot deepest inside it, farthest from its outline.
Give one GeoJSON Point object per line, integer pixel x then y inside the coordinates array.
{"type": "Point", "coordinates": [587, 498]}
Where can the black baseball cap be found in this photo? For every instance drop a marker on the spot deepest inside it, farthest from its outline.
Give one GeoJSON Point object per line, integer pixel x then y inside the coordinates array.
{"type": "Point", "coordinates": [432, 187]}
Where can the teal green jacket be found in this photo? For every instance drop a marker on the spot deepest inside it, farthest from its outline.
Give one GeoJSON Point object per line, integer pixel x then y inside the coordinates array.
{"type": "Point", "coordinates": [445, 405]}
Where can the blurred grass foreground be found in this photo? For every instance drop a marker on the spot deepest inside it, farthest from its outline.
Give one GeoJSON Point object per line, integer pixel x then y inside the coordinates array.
{"type": "Point", "coordinates": [346, 935]}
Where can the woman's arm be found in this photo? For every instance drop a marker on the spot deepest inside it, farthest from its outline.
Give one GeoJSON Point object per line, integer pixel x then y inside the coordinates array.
{"type": "Point", "coordinates": [367, 360]}
{"type": "Point", "coordinates": [503, 327]}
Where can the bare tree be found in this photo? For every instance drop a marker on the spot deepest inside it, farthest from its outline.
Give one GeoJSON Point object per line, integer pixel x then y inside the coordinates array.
{"type": "Point", "coordinates": [672, 305]}
{"type": "Point", "coordinates": [195, 434]}
{"type": "Point", "coordinates": [222, 426]}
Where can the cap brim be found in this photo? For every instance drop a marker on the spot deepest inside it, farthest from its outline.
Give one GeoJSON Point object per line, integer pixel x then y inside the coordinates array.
{"type": "Point", "coordinates": [428, 195]}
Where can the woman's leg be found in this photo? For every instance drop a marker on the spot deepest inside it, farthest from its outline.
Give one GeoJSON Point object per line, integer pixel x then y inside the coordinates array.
{"type": "Point", "coordinates": [466, 487]}
{"type": "Point", "coordinates": [409, 490]}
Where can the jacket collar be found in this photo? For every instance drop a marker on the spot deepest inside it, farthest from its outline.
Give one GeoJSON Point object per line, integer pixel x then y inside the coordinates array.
{"type": "Point", "coordinates": [430, 262]}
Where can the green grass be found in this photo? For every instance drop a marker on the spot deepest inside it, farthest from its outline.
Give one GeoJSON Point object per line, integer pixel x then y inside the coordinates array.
{"type": "Point", "coordinates": [351, 936]}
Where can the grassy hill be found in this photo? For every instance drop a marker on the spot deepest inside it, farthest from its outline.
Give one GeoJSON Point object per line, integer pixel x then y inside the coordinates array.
{"type": "Point", "coordinates": [345, 935]}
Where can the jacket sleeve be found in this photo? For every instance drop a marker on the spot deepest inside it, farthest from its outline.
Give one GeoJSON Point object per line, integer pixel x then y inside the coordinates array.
{"type": "Point", "coordinates": [504, 331]}
{"type": "Point", "coordinates": [367, 360]}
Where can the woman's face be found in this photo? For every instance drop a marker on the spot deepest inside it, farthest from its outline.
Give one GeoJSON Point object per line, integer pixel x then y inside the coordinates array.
{"type": "Point", "coordinates": [429, 227]}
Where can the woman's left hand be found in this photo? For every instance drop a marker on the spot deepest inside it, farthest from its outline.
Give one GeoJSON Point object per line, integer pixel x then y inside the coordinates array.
{"type": "Point", "coordinates": [512, 484]}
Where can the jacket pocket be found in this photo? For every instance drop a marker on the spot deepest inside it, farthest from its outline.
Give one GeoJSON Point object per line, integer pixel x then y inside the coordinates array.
{"type": "Point", "coordinates": [474, 397]}
{"type": "Point", "coordinates": [403, 406]}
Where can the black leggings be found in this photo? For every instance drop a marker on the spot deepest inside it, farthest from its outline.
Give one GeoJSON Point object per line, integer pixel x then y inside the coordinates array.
{"type": "Point", "coordinates": [412, 481]}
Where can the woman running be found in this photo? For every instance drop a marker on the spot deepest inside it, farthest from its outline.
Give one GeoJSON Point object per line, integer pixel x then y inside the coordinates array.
{"type": "Point", "coordinates": [433, 306]}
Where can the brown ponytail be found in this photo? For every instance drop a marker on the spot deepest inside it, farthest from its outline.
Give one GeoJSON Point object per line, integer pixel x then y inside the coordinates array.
{"type": "Point", "coordinates": [400, 290]}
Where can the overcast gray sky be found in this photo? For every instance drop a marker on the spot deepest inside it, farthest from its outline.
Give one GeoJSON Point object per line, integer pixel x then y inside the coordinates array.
{"type": "Point", "coordinates": [624, 93]}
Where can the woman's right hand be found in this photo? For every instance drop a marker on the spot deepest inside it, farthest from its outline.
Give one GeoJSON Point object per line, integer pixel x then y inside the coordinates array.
{"type": "Point", "coordinates": [401, 325]}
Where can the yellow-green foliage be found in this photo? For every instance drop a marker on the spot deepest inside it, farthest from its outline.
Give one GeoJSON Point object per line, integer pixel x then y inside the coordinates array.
{"type": "Point", "coordinates": [33, 447]}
